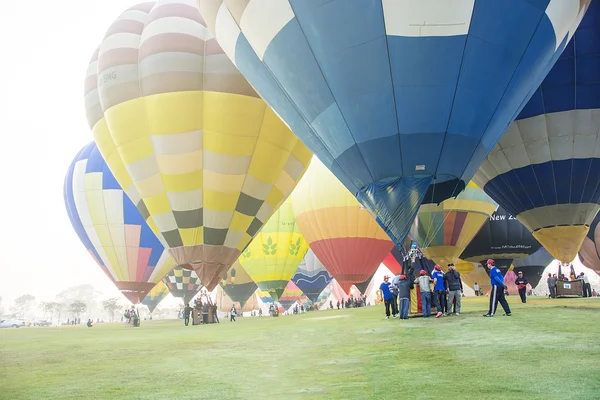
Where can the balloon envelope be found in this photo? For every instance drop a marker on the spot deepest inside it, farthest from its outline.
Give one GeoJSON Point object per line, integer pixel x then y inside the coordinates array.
{"type": "Point", "coordinates": [274, 255]}
{"type": "Point", "coordinates": [444, 230]}
{"type": "Point", "coordinates": [183, 283]}
{"type": "Point", "coordinates": [237, 284]}
{"type": "Point", "coordinates": [202, 156]}
{"type": "Point", "coordinates": [290, 296]}
{"type": "Point", "coordinates": [503, 238]}
{"type": "Point", "coordinates": [342, 234]}
{"type": "Point", "coordinates": [311, 277]}
{"type": "Point", "coordinates": [402, 100]}
{"type": "Point", "coordinates": [111, 228]}
{"type": "Point", "coordinates": [546, 168]}
{"type": "Point", "coordinates": [155, 296]}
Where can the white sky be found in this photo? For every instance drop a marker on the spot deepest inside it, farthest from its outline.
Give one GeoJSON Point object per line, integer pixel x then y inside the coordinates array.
{"type": "Point", "coordinates": [45, 47]}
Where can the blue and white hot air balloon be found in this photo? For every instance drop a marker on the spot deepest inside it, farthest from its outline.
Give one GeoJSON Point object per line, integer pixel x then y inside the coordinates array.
{"type": "Point", "coordinates": [401, 99]}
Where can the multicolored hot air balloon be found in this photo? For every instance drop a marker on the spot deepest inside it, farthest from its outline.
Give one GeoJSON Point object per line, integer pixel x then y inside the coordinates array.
{"type": "Point", "coordinates": [224, 302]}
{"type": "Point", "coordinates": [155, 296]}
{"type": "Point", "coordinates": [202, 156]}
{"type": "Point", "coordinates": [589, 253]}
{"type": "Point", "coordinates": [342, 234]}
{"type": "Point", "coordinates": [443, 231]}
{"type": "Point", "coordinates": [111, 228]}
{"type": "Point", "coordinates": [311, 277]}
{"type": "Point", "coordinates": [183, 283]}
{"type": "Point", "coordinates": [401, 100]}
{"type": "Point", "coordinates": [502, 239]}
{"type": "Point", "coordinates": [290, 296]}
{"type": "Point", "coordinates": [237, 284]}
{"type": "Point", "coordinates": [546, 168]}
{"type": "Point", "coordinates": [276, 252]}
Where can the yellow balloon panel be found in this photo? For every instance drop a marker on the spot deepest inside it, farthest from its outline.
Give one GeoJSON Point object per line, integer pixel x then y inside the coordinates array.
{"type": "Point", "coordinates": [274, 255]}
{"type": "Point", "coordinates": [203, 157]}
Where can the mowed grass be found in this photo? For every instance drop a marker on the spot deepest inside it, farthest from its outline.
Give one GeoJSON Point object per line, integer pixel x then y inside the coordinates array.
{"type": "Point", "coordinates": [548, 349]}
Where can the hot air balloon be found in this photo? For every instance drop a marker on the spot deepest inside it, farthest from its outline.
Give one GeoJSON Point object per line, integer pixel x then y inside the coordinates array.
{"type": "Point", "coordinates": [344, 236]}
{"type": "Point", "coordinates": [290, 296]}
{"type": "Point", "coordinates": [264, 296]}
{"type": "Point", "coordinates": [155, 296]}
{"type": "Point", "coordinates": [224, 302]}
{"type": "Point", "coordinates": [276, 252]}
{"type": "Point", "coordinates": [183, 283]}
{"type": "Point", "coordinates": [311, 277]}
{"type": "Point", "coordinates": [323, 297]}
{"type": "Point", "coordinates": [443, 231]}
{"type": "Point", "coordinates": [502, 239]}
{"type": "Point", "coordinates": [111, 228]}
{"type": "Point", "coordinates": [589, 254]}
{"type": "Point", "coordinates": [365, 287]}
{"type": "Point", "coordinates": [546, 168]}
{"type": "Point", "coordinates": [401, 100]}
{"type": "Point", "coordinates": [203, 157]}
{"type": "Point", "coordinates": [533, 266]}
{"type": "Point", "coordinates": [237, 284]}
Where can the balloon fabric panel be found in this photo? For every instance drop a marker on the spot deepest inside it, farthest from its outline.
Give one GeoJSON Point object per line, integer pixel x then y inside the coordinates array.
{"type": "Point", "coordinates": [203, 157]}
{"type": "Point", "coordinates": [546, 168]}
{"type": "Point", "coordinates": [312, 276]}
{"type": "Point", "coordinates": [183, 283]}
{"type": "Point", "coordinates": [237, 284]}
{"type": "Point", "coordinates": [425, 91]}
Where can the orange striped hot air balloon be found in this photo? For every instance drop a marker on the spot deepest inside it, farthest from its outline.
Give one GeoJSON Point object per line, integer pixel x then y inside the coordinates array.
{"type": "Point", "coordinates": [343, 235]}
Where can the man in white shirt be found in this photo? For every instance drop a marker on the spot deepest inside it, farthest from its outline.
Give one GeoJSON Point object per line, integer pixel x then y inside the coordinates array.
{"type": "Point", "coordinates": [587, 289]}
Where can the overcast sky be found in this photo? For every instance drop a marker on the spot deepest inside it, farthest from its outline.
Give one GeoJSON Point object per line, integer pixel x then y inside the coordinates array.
{"type": "Point", "coordinates": [45, 47]}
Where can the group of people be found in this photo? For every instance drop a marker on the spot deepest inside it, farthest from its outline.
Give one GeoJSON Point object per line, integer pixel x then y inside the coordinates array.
{"type": "Point", "coordinates": [554, 278]}
{"type": "Point", "coordinates": [351, 302]}
{"type": "Point", "coordinates": [132, 317]}
{"type": "Point", "coordinates": [444, 291]}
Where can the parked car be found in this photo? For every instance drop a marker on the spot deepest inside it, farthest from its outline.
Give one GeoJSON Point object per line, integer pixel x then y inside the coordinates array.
{"type": "Point", "coordinates": [41, 322]}
{"type": "Point", "coordinates": [11, 323]}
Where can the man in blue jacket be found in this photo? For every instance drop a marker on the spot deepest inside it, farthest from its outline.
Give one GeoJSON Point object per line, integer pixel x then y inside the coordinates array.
{"type": "Point", "coordinates": [497, 293]}
{"type": "Point", "coordinates": [387, 295]}
{"type": "Point", "coordinates": [439, 291]}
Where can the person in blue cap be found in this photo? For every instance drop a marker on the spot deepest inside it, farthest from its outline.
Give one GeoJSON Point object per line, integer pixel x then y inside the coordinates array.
{"type": "Point", "coordinates": [387, 295]}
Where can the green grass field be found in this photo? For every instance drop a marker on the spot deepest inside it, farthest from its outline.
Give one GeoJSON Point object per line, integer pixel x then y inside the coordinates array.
{"type": "Point", "coordinates": [548, 349]}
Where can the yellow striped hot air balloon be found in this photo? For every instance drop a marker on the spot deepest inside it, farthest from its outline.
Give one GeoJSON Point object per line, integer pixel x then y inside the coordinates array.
{"type": "Point", "coordinates": [202, 156]}
{"type": "Point", "coordinates": [443, 231]}
{"type": "Point", "coordinates": [276, 252]}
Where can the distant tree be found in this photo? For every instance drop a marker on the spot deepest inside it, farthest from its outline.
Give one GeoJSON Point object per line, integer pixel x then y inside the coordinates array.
{"type": "Point", "coordinates": [86, 293]}
{"type": "Point", "coordinates": [23, 305]}
{"type": "Point", "coordinates": [48, 308]}
{"type": "Point", "coordinates": [77, 308]}
{"type": "Point", "coordinates": [58, 307]}
{"type": "Point", "coordinates": [111, 306]}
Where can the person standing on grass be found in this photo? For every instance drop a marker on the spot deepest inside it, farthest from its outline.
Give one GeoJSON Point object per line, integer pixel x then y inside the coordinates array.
{"type": "Point", "coordinates": [387, 295]}
{"type": "Point", "coordinates": [404, 286]}
{"type": "Point", "coordinates": [587, 289]}
{"type": "Point", "coordinates": [232, 314]}
{"type": "Point", "coordinates": [439, 291]}
{"type": "Point", "coordinates": [455, 289]}
{"type": "Point", "coordinates": [424, 284]}
{"type": "Point", "coordinates": [521, 283]}
{"type": "Point", "coordinates": [394, 289]}
{"type": "Point", "coordinates": [498, 288]}
{"type": "Point", "coordinates": [186, 313]}
{"type": "Point", "coordinates": [476, 289]}
{"type": "Point", "coordinates": [551, 285]}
